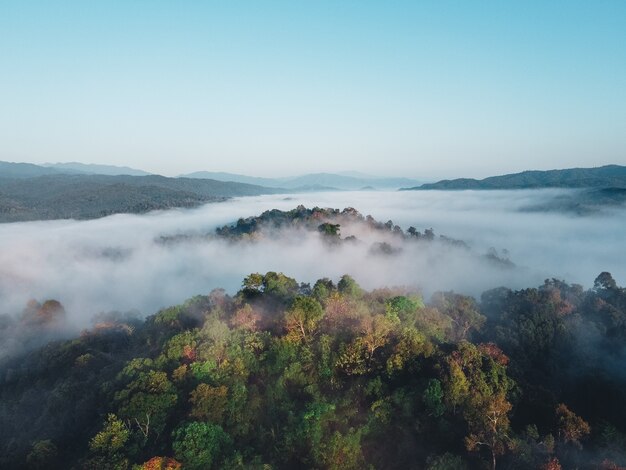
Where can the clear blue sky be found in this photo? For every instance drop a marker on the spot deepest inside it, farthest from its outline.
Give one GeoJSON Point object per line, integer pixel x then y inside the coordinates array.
{"type": "Point", "coordinates": [415, 88]}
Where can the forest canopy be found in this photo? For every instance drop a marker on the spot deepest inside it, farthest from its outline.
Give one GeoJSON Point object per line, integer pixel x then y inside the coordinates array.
{"type": "Point", "coordinates": [329, 375]}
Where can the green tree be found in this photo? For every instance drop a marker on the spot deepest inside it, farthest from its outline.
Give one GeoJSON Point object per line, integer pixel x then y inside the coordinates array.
{"type": "Point", "coordinates": [107, 447]}
{"type": "Point", "coordinates": [147, 401]}
{"type": "Point", "coordinates": [302, 318]}
{"type": "Point", "coordinates": [433, 398]}
{"type": "Point", "coordinates": [200, 446]}
{"type": "Point", "coordinates": [462, 310]}
{"type": "Point", "coordinates": [43, 455]}
{"type": "Point", "coordinates": [322, 289]}
{"type": "Point", "coordinates": [477, 382]}
{"type": "Point", "coordinates": [348, 286]}
{"type": "Point", "coordinates": [209, 403]}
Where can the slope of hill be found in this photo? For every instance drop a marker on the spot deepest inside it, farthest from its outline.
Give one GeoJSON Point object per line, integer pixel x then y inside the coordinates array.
{"type": "Point", "coordinates": [91, 196]}
{"type": "Point", "coordinates": [235, 178]}
{"type": "Point", "coordinates": [94, 169]}
{"type": "Point", "coordinates": [328, 181]}
{"type": "Point", "coordinates": [600, 177]}
{"type": "Point", "coordinates": [328, 376]}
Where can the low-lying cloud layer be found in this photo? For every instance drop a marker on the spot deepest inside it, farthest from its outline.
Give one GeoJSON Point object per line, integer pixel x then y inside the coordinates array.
{"type": "Point", "coordinates": [116, 263]}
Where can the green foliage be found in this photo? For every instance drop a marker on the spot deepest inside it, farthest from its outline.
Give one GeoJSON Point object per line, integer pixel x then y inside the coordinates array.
{"type": "Point", "coordinates": [405, 308]}
{"type": "Point", "coordinates": [200, 445]}
{"type": "Point", "coordinates": [283, 376]}
{"type": "Point", "coordinates": [112, 438]}
{"type": "Point", "coordinates": [43, 455]}
{"type": "Point", "coordinates": [329, 230]}
{"type": "Point", "coordinates": [322, 289]}
{"type": "Point", "coordinates": [433, 398]}
{"type": "Point", "coordinates": [169, 316]}
{"type": "Point", "coordinates": [302, 317]}
{"type": "Point", "coordinates": [348, 286]}
{"type": "Point", "coordinates": [447, 461]}
{"type": "Point", "coordinates": [209, 403]}
{"type": "Point", "coordinates": [147, 402]}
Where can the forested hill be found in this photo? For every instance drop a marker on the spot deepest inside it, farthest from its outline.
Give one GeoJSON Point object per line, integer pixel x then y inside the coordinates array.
{"type": "Point", "coordinates": [286, 375]}
{"type": "Point", "coordinates": [92, 196]}
{"type": "Point", "coordinates": [609, 176]}
{"type": "Point", "coordinates": [338, 228]}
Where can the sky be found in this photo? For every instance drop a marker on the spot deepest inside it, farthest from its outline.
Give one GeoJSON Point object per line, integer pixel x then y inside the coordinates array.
{"type": "Point", "coordinates": [424, 89]}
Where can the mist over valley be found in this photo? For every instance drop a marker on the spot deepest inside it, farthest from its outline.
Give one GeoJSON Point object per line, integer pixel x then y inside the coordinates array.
{"type": "Point", "coordinates": [117, 262]}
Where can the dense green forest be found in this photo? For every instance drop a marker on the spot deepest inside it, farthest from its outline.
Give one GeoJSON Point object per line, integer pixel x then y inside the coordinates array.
{"type": "Point", "coordinates": [289, 375]}
{"type": "Point", "coordinates": [90, 196]}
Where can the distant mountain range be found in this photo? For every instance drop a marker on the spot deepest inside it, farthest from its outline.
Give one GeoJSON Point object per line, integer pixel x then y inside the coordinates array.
{"type": "Point", "coordinates": [29, 170]}
{"type": "Point", "coordinates": [312, 182]}
{"type": "Point", "coordinates": [609, 176]}
{"type": "Point", "coordinates": [94, 169]}
{"type": "Point", "coordinates": [81, 191]}
{"type": "Point", "coordinates": [347, 181]}
{"type": "Point", "coordinates": [24, 170]}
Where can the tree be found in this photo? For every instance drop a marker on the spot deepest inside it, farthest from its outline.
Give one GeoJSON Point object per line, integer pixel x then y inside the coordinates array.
{"type": "Point", "coordinates": [280, 286]}
{"type": "Point", "coordinates": [405, 308]}
{"type": "Point", "coordinates": [322, 289]}
{"type": "Point", "coordinates": [112, 438]}
{"type": "Point", "coordinates": [489, 425]}
{"type": "Point", "coordinates": [161, 463]}
{"type": "Point", "coordinates": [147, 401]}
{"type": "Point", "coordinates": [43, 455]}
{"type": "Point", "coordinates": [570, 427]}
{"type": "Point", "coordinates": [200, 446]}
{"type": "Point", "coordinates": [329, 230]}
{"type": "Point", "coordinates": [462, 310]}
{"type": "Point", "coordinates": [252, 285]}
{"type": "Point", "coordinates": [209, 403]}
{"type": "Point", "coordinates": [303, 317]}
{"type": "Point", "coordinates": [108, 445]}
{"type": "Point", "coordinates": [343, 451]}
{"type": "Point", "coordinates": [375, 331]}
{"type": "Point", "coordinates": [552, 464]}
{"type": "Point", "coordinates": [446, 461]}
{"type": "Point", "coordinates": [246, 318]}
{"type": "Point", "coordinates": [477, 382]}
{"type": "Point", "coordinates": [348, 286]}
{"type": "Point", "coordinates": [410, 346]}
{"type": "Point", "coordinates": [50, 314]}
{"type": "Point", "coordinates": [433, 398]}
{"type": "Point", "coordinates": [604, 281]}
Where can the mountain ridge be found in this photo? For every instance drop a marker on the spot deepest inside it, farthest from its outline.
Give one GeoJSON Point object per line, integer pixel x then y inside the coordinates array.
{"type": "Point", "coordinates": [322, 179]}
{"type": "Point", "coordinates": [595, 177]}
{"type": "Point", "coordinates": [95, 169]}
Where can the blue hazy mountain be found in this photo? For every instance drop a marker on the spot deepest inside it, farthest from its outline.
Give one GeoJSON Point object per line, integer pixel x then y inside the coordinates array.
{"type": "Point", "coordinates": [95, 169]}
{"type": "Point", "coordinates": [24, 170]}
{"type": "Point", "coordinates": [609, 176]}
{"type": "Point", "coordinates": [313, 181]}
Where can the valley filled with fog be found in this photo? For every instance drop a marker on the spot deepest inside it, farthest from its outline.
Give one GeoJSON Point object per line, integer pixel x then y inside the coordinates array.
{"type": "Point", "coordinates": [117, 263]}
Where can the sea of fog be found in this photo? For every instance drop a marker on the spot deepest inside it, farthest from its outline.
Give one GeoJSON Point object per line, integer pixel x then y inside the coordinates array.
{"type": "Point", "coordinates": [114, 263]}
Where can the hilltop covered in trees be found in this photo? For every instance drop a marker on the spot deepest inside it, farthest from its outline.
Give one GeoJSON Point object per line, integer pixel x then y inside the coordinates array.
{"type": "Point", "coordinates": [289, 375]}
{"type": "Point", "coordinates": [327, 221]}
{"type": "Point", "coordinates": [336, 228]}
